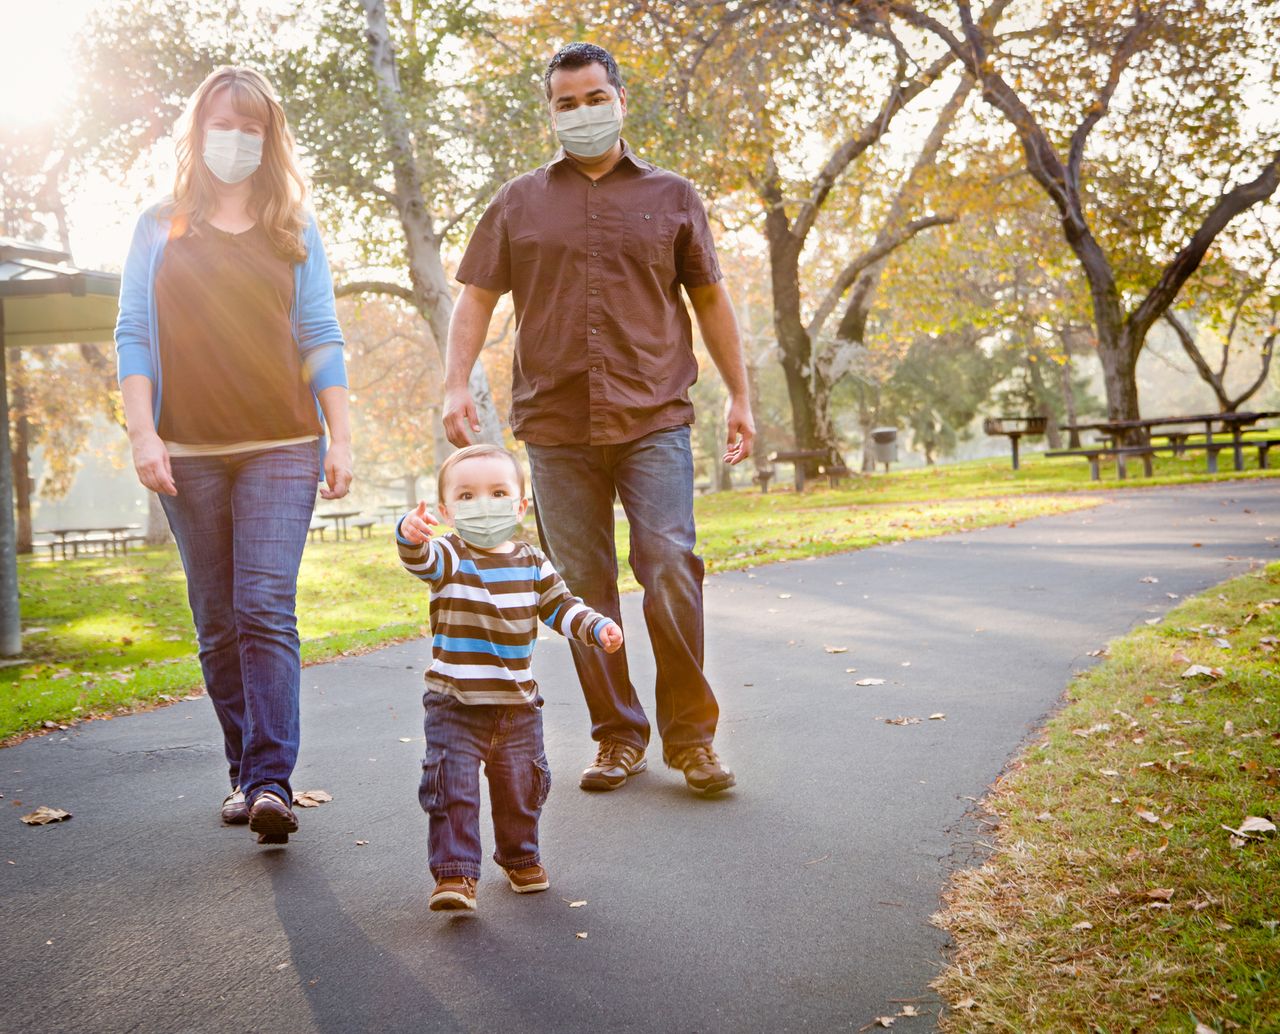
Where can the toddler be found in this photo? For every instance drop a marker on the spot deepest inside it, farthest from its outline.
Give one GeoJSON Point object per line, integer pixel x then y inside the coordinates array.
{"type": "Point", "coordinates": [482, 704]}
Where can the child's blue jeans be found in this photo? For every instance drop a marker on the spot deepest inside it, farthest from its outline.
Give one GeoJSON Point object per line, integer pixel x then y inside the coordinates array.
{"type": "Point", "coordinates": [508, 740]}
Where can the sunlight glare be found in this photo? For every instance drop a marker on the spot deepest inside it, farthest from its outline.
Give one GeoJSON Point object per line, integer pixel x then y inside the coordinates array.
{"type": "Point", "coordinates": [36, 73]}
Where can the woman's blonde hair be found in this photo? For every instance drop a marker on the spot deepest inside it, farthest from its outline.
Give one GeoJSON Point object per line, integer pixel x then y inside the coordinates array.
{"type": "Point", "coordinates": [279, 186]}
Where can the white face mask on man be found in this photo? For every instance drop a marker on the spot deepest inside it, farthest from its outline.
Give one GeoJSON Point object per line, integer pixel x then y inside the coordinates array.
{"type": "Point", "coordinates": [590, 130]}
{"type": "Point", "coordinates": [232, 155]}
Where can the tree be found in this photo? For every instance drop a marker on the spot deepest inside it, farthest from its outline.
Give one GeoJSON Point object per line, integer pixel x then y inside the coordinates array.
{"type": "Point", "coordinates": [1142, 215]}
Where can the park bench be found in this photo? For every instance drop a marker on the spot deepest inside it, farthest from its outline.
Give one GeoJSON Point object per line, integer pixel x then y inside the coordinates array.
{"type": "Point", "coordinates": [834, 473]}
{"type": "Point", "coordinates": [762, 477]}
{"type": "Point", "coordinates": [317, 527]}
{"type": "Point", "coordinates": [1120, 454]}
{"type": "Point", "coordinates": [364, 526]}
{"type": "Point", "coordinates": [798, 458]}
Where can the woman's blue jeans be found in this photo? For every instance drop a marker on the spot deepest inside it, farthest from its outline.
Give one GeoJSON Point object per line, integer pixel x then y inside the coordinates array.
{"type": "Point", "coordinates": [508, 742]}
{"type": "Point", "coordinates": [241, 523]}
{"type": "Point", "coordinates": [574, 488]}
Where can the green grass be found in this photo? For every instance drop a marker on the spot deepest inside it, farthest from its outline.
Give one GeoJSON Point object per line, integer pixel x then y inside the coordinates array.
{"type": "Point", "coordinates": [104, 635]}
{"type": "Point", "coordinates": [1075, 845]}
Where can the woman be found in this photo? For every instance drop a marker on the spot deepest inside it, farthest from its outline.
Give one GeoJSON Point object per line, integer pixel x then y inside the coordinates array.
{"type": "Point", "coordinates": [229, 351]}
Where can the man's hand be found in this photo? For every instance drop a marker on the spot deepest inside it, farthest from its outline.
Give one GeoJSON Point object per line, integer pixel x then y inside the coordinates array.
{"type": "Point", "coordinates": [415, 526]}
{"type": "Point", "coordinates": [742, 430]}
{"type": "Point", "coordinates": [460, 418]}
{"type": "Point", "coordinates": [337, 470]}
{"type": "Point", "coordinates": [611, 638]}
{"type": "Point", "coordinates": [151, 461]}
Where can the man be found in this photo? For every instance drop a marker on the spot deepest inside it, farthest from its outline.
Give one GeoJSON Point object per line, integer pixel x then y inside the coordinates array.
{"type": "Point", "coordinates": [594, 247]}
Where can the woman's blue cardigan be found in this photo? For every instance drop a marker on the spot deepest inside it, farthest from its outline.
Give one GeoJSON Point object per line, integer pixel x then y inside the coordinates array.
{"type": "Point", "coordinates": [315, 323]}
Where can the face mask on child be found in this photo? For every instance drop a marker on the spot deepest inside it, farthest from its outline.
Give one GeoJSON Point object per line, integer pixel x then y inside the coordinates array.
{"type": "Point", "coordinates": [485, 522]}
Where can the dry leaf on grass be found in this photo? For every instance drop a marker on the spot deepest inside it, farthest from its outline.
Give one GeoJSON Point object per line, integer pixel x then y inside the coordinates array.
{"type": "Point", "coordinates": [1083, 925]}
{"type": "Point", "coordinates": [836, 649]}
{"type": "Point", "coordinates": [1257, 824]}
{"type": "Point", "coordinates": [1098, 653]}
{"type": "Point", "coordinates": [1044, 816]}
{"type": "Point", "coordinates": [1201, 669]}
{"type": "Point", "coordinates": [1202, 1028]}
{"type": "Point", "coordinates": [869, 682]}
{"type": "Point", "coordinates": [965, 1003]}
{"type": "Point", "coordinates": [312, 798]}
{"type": "Point", "coordinates": [43, 815]}
{"type": "Point", "coordinates": [1159, 894]}
{"type": "Point", "coordinates": [1148, 816]}
{"type": "Point", "coordinates": [1180, 658]}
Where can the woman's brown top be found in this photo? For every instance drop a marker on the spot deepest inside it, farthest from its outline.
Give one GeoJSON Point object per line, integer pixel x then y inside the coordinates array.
{"type": "Point", "coordinates": [232, 371]}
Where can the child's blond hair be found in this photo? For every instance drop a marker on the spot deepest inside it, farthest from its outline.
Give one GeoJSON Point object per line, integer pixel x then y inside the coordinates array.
{"type": "Point", "coordinates": [471, 452]}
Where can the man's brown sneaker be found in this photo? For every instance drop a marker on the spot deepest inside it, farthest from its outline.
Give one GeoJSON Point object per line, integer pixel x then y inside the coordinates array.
{"type": "Point", "coordinates": [529, 879]}
{"type": "Point", "coordinates": [615, 762]}
{"type": "Point", "coordinates": [454, 893]}
{"type": "Point", "coordinates": [702, 769]}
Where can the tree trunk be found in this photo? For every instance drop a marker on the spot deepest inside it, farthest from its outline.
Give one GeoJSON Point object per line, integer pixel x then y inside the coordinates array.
{"type": "Point", "coordinates": [21, 447]}
{"type": "Point", "coordinates": [1119, 375]}
{"type": "Point", "coordinates": [411, 490]}
{"type": "Point", "coordinates": [1043, 398]}
{"type": "Point", "coordinates": [157, 533]}
{"type": "Point", "coordinates": [431, 292]}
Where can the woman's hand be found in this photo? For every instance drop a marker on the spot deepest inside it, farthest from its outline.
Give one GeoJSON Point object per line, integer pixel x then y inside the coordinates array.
{"type": "Point", "coordinates": [337, 470]}
{"type": "Point", "coordinates": [151, 461]}
{"type": "Point", "coordinates": [415, 526]}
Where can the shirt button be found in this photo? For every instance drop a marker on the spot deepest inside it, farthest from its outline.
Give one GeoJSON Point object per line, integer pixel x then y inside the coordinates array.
{"type": "Point", "coordinates": [594, 291]}
{"type": "Point", "coordinates": [594, 369]}
{"type": "Point", "coordinates": [594, 331]}
{"type": "Point", "coordinates": [594, 216]}
{"type": "Point", "coordinates": [594, 253]}
{"type": "Point", "coordinates": [646, 215]}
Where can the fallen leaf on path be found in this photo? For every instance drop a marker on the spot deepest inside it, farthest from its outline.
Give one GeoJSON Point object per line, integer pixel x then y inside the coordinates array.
{"type": "Point", "coordinates": [582, 936]}
{"type": "Point", "coordinates": [1153, 621]}
{"type": "Point", "coordinates": [43, 815]}
{"type": "Point", "coordinates": [902, 720]}
{"type": "Point", "coordinates": [908, 1010]}
{"type": "Point", "coordinates": [1149, 579]}
{"type": "Point", "coordinates": [869, 682]}
{"type": "Point", "coordinates": [312, 798]}
{"type": "Point", "coordinates": [405, 739]}
{"type": "Point", "coordinates": [784, 595]}
{"type": "Point", "coordinates": [836, 649]}
{"type": "Point", "coordinates": [362, 843]}
{"type": "Point", "coordinates": [938, 716]}
{"type": "Point", "coordinates": [1160, 894]}
{"type": "Point", "coordinates": [883, 1021]}
{"type": "Point", "coordinates": [1098, 653]}
{"type": "Point", "coordinates": [850, 671]}
{"type": "Point", "coordinates": [576, 904]}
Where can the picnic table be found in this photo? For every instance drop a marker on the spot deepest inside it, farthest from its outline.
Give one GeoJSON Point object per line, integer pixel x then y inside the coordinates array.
{"type": "Point", "coordinates": [339, 520]}
{"type": "Point", "coordinates": [114, 539]}
{"type": "Point", "coordinates": [1178, 441]}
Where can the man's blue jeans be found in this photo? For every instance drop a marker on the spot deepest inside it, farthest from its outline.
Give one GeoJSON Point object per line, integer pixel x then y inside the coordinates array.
{"type": "Point", "coordinates": [574, 488]}
{"type": "Point", "coordinates": [241, 523]}
{"type": "Point", "coordinates": [508, 740]}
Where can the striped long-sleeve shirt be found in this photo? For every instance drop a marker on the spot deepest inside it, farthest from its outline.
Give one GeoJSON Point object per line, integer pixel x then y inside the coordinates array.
{"type": "Point", "coordinates": [485, 609]}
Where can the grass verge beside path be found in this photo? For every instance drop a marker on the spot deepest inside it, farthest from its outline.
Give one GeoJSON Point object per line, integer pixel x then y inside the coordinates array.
{"type": "Point", "coordinates": [106, 634]}
{"type": "Point", "coordinates": [1115, 900]}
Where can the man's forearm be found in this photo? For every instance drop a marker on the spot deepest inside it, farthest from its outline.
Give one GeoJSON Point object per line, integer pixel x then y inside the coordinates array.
{"type": "Point", "coordinates": [467, 329]}
{"type": "Point", "coordinates": [719, 328]}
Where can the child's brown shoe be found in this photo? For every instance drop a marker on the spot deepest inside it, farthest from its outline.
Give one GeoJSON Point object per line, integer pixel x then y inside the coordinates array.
{"type": "Point", "coordinates": [528, 880]}
{"type": "Point", "coordinates": [453, 893]}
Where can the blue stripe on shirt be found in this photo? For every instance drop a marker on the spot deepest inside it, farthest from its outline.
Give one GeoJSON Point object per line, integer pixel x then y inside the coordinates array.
{"type": "Point", "coordinates": [498, 574]}
{"type": "Point", "coordinates": [520, 652]}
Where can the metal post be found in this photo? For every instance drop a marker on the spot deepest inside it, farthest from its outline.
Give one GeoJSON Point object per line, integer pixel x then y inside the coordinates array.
{"type": "Point", "coordinates": [1014, 438]}
{"type": "Point", "coordinates": [10, 618]}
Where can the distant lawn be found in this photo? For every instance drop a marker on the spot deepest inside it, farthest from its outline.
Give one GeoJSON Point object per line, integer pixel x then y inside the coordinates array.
{"type": "Point", "coordinates": [104, 635]}
{"type": "Point", "coordinates": [1115, 900]}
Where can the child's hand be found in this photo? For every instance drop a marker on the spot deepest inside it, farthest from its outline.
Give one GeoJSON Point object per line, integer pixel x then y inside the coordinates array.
{"type": "Point", "coordinates": [416, 525]}
{"type": "Point", "coordinates": [611, 638]}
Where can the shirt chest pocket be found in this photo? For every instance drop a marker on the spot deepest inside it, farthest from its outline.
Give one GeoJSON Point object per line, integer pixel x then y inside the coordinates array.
{"type": "Point", "coordinates": [649, 237]}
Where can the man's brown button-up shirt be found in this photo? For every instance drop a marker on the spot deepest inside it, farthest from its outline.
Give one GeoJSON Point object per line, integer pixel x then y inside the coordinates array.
{"type": "Point", "coordinates": [604, 346]}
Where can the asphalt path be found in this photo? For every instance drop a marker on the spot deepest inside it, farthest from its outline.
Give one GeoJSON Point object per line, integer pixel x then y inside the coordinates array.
{"type": "Point", "coordinates": [798, 902]}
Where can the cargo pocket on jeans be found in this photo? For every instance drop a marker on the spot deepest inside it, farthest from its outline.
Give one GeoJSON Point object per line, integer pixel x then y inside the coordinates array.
{"type": "Point", "coordinates": [541, 781]}
{"type": "Point", "coordinates": [430, 791]}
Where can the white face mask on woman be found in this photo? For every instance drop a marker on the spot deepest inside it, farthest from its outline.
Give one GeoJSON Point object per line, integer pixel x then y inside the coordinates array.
{"type": "Point", "coordinates": [590, 130]}
{"type": "Point", "coordinates": [231, 155]}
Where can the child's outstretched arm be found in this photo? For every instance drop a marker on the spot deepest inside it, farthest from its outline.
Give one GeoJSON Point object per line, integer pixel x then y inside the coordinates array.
{"type": "Point", "coordinates": [423, 556]}
{"type": "Point", "coordinates": [562, 611]}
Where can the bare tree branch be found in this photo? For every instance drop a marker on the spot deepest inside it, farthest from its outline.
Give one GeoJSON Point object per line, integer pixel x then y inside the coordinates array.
{"type": "Point", "coordinates": [374, 287]}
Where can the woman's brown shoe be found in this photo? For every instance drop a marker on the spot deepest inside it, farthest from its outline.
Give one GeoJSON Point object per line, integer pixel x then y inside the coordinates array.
{"type": "Point", "coordinates": [272, 819]}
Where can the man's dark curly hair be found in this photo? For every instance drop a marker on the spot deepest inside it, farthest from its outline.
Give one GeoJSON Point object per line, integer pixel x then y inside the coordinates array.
{"type": "Point", "coordinates": [579, 55]}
